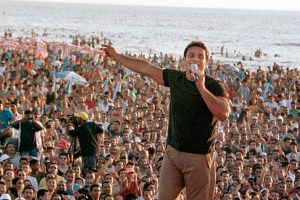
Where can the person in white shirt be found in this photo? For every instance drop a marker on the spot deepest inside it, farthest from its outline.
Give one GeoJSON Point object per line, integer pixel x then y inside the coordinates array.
{"type": "Point", "coordinates": [104, 105]}
{"type": "Point", "coordinates": [244, 90]}
{"type": "Point", "coordinates": [271, 102]}
{"type": "Point", "coordinates": [23, 173]}
{"type": "Point", "coordinates": [105, 124]}
{"type": "Point", "coordinates": [295, 154]}
{"type": "Point", "coordinates": [288, 100]}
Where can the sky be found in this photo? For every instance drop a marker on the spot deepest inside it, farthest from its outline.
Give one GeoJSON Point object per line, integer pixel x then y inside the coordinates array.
{"type": "Point", "coordinates": [234, 4]}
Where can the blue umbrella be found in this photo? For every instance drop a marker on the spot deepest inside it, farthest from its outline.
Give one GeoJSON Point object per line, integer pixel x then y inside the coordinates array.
{"type": "Point", "coordinates": [72, 76]}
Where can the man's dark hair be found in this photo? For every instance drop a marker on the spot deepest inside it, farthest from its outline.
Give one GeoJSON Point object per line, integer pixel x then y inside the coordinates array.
{"type": "Point", "coordinates": [28, 187]}
{"type": "Point", "coordinates": [151, 150]}
{"type": "Point", "coordinates": [147, 185]}
{"type": "Point", "coordinates": [33, 162]}
{"type": "Point", "coordinates": [64, 154]}
{"type": "Point", "coordinates": [224, 172]}
{"type": "Point", "coordinates": [71, 171]}
{"type": "Point", "coordinates": [197, 44]}
{"type": "Point", "coordinates": [129, 197]}
{"type": "Point", "coordinates": [9, 144]}
{"type": "Point", "coordinates": [41, 192]}
{"type": "Point", "coordinates": [13, 190]}
{"type": "Point", "coordinates": [23, 159]}
{"type": "Point", "coordinates": [83, 191]}
{"type": "Point", "coordinates": [220, 166]}
{"type": "Point", "coordinates": [94, 186]}
{"type": "Point", "coordinates": [15, 180]}
{"type": "Point", "coordinates": [62, 192]}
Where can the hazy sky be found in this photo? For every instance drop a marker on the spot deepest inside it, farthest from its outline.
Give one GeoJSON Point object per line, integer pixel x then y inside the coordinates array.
{"type": "Point", "coordinates": [244, 4]}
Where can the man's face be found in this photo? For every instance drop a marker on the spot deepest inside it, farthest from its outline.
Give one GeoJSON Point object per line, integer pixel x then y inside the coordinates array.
{"type": "Point", "coordinates": [113, 150]}
{"type": "Point", "coordinates": [148, 169]}
{"type": "Point", "coordinates": [51, 183]}
{"type": "Point", "coordinates": [76, 169]}
{"type": "Point", "coordinates": [96, 191]}
{"type": "Point", "coordinates": [88, 181]}
{"type": "Point", "coordinates": [70, 177]}
{"type": "Point", "coordinates": [29, 194]}
{"type": "Point", "coordinates": [236, 170]}
{"type": "Point", "coordinates": [248, 170]}
{"type": "Point", "coordinates": [258, 172]}
{"type": "Point", "coordinates": [107, 188]}
{"type": "Point", "coordinates": [147, 195]}
{"type": "Point", "coordinates": [11, 149]}
{"type": "Point", "coordinates": [9, 175]}
{"type": "Point", "coordinates": [230, 161]}
{"type": "Point", "coordinates": [2, 188]}
{"type": "Point", "coordinates": [53, 168]}
{"type": "Point", "coordinates": [61, 186]}
{"type": "Point", "coordinates": [225, 177]}
{"type": "Point", "coordinates": [287, 143]}
{"type": "Point", "coordinates": [147, 136]}
{"type": "Point", "coordinates": [22, 175]}
{"type": "Point", "coordinates": [28, 116]}
{"type": "Point", "coordinates": [195, 55]}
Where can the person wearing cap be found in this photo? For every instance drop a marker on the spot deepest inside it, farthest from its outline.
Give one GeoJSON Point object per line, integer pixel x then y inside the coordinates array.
{"type": "Point", "coordinates": [5, 197]}
{"type": "Point", "coordinates": [254, 118]}
{"type": "Point", "coordinates": [3, 159]}
{"type": "Point", "coordinates": [259, 91]}
{"type": "Point", "coordinates": [87, 134]}
{"type": "Point", "coordinates": [197, 102]}
{"type": "Point", "coordinates": [290, 184]}
{"type": "Point", "coordinates": [28, 127]}
{"type": "Point", "coordinates": [6, 117]}
{"type": "Point", "coordinates": [131, 183]}
{"type": "Point", "coordinates": [279, 121]}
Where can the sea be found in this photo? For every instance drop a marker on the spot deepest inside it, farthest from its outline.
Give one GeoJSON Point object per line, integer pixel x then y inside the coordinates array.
{"type": "Point", "coordinates": [149, 30]}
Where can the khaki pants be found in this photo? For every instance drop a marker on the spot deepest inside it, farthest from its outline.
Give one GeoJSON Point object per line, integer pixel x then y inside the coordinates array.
{"type": "Point", "coordinates": [194, 172]}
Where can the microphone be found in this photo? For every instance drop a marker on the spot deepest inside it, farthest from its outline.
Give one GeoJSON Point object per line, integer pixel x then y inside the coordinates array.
{"type": "Point", "coordinates": [193, 68]}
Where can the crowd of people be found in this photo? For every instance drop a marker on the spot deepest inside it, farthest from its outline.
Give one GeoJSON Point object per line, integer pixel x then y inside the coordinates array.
{"type": "Point", "coordinates": [256, 149]}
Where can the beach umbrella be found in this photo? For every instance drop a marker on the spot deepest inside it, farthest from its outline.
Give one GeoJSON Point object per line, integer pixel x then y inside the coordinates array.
{"type": "Point", "coordinates": [35, 42]}
{"type": "Point", "coordinates": [8, 43]}
{"type": "Point", "coordinates": [37, 51]}
{"type": "Point", "coordinates": [72, 76]}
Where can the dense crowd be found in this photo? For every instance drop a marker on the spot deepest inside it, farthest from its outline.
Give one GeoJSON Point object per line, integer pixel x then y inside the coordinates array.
{"type": "Point", "coordinates": [256, 149]}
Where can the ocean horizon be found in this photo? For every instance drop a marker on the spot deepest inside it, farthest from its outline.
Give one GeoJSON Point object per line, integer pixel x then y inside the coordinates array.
{"type": "Point", "coordinates": [139, 29]}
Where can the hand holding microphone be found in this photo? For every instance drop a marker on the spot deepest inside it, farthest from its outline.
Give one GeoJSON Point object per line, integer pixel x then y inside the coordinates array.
{"type": "Point", "coordinates": [193, 71]}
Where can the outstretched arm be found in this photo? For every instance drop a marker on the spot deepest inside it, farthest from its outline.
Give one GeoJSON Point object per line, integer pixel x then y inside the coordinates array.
{"type": "Point", "coordinates": [137, 65]}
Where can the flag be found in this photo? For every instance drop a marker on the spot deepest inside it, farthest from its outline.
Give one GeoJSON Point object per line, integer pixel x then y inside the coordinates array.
{"type": "Point", "coordinates": [118, 88]}
{"type": "Point", "coordinates": [131, 94]}
{"type": "Point", "coordinates": [54, 82]}
{"type": "Point", "coordinates": [68, 88]}
{"type": "Point", "coordinates": [269, 88]}
{"type": "Point", "coordinates": [105, 85]}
